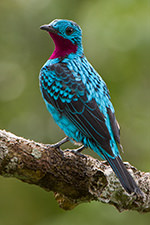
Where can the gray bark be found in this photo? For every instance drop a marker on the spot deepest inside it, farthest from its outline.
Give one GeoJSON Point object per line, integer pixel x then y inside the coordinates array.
{"type": "Point", "coordinates": [73, 177]}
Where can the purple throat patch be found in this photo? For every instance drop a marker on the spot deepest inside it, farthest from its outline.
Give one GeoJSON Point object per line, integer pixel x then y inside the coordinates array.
{"type": "Point", "coordinates": [63, 46]}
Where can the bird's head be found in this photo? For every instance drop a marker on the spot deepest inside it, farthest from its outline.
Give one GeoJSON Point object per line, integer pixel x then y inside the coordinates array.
{"type": "Point", "coordinates": [67, 36]}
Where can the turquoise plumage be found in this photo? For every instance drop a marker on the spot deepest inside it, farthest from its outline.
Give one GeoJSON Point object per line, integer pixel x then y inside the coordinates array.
{"type": "Point", "coordinates": [78, 99]}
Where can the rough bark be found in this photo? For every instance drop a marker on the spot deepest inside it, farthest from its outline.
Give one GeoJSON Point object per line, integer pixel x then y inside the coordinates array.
{"type": "Point", "coordinates": [74, 178]}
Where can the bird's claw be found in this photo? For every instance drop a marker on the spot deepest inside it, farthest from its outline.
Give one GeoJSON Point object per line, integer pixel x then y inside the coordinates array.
{"type": "Point", "coordinates": [76, 151]}
{"type": "Point", "coordinates": [58, 144]}
{"type": "Point", "coordinates": [53, 146]}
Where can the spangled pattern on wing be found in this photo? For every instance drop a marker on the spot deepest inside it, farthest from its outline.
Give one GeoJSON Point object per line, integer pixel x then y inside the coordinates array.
{"type": "Point", "coordinates": [68, 94]}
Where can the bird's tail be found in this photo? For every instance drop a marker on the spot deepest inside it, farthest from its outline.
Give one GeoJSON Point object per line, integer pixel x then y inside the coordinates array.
{"type": "Point", "coordinates": [124, 176]}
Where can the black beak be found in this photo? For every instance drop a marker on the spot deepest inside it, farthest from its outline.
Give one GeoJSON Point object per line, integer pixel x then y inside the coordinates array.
{"type": "Point", "coordinates": [48, 28]}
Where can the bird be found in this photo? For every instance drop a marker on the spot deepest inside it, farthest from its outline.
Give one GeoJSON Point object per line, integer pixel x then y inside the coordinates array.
{"type": "Point", "coordinates": [79, 101]}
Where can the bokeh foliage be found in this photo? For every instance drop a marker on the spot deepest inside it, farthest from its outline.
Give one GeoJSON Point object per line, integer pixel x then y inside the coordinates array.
{"type": "Point", "coordinates": [116, 37]}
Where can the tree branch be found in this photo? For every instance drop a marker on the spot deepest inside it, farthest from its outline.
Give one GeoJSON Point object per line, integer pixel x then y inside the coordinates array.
{"type": "Point", "coordinates": [74, 178]}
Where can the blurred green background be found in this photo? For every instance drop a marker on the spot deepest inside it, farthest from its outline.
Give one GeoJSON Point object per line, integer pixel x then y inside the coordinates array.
{"type": "Point", "coordinates": [116, 38]}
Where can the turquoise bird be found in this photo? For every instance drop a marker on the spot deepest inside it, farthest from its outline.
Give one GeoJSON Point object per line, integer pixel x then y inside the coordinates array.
{"type": "Point", "coordinates": [79, 101]}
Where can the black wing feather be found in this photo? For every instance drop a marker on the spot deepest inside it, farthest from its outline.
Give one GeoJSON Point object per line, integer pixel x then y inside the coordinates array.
{"type": "Point", "coordinates": [114, 125]}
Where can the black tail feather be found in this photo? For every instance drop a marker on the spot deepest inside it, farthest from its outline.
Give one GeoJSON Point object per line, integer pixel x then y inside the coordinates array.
{"type": "Point", "coordinates": [124, 176]}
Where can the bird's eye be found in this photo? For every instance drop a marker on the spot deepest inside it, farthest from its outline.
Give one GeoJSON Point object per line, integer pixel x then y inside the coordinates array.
{"type": "Point", "coordinates": [69, 30]}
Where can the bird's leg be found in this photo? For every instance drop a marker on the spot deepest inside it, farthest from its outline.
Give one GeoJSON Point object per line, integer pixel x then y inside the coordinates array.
{"type": "Point", "coordinates": [80, 149]}
{"type": "Point", "coordinates": [58, 144]}
{"type": "Point", "coordinates": [77, 150]}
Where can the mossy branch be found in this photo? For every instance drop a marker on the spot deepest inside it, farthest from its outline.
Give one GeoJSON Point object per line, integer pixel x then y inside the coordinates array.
{"type": "Point", "coordinates": [74, 178]}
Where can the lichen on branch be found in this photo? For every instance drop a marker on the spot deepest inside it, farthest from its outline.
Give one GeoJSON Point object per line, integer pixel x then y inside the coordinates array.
{"type": "Point", "coordinates": [73, 177]}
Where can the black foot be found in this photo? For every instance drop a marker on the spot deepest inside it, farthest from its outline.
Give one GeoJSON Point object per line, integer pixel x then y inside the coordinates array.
{"type": "Point", "coordinates": [77, 150]}
{"type": "Point", "coordinates": [58, 144]}
{"type": "Point", "coordinates": [80, 149]}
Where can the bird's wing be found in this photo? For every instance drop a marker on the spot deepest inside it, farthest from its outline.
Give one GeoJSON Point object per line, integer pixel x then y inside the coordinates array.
{"type": "Point", "coordinates": [114, 125]}
{"type": "Point", "coordinates": [68, 94]}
